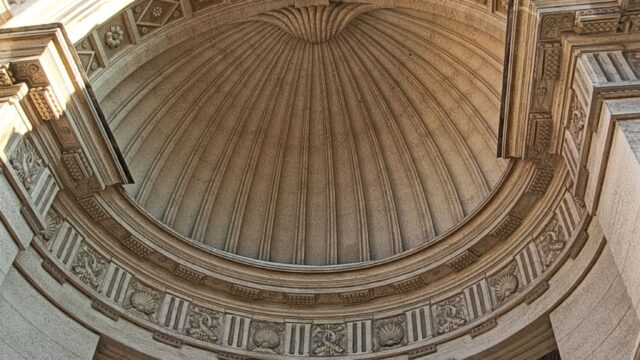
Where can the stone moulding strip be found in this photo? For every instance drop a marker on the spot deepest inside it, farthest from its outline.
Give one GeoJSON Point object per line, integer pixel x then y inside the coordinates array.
{"type": "Point", "coordinates": [425, 350]}
{"type": "Point", "coordinates": [188, 273]}
{"type": "Point", "coordinates": [54, 271]}
{"type": "Point", "coordinates": [536, 292]}
{"type": "Point", "coordinates": [483, 328]}
{"type": "Point", "coordinates": [300, 299]}
{"type": "Point", "coordinates": [105, 309]}
{"type": "Point", "coordinates": [168, 339]}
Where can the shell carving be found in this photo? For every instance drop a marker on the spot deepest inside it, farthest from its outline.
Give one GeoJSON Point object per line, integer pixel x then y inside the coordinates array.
{"type": "Point", "coordinates": [505, 286]}
{"type": "Point", "coordinates": [266, 338]}
{"type": "Point", "coordinates": [389, 334]}
{"type": "Point", "coordinates": [145, 301]}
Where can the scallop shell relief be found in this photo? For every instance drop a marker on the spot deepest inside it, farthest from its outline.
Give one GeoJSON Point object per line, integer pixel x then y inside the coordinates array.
{"type": "Point", "coordinates": [389, 333]}
{"type": "Point", "coordinates": [266, 337]}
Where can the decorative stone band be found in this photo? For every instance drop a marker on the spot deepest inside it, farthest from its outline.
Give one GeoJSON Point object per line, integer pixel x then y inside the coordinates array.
{"type": "Point", "coordinates": [473, 309]}
{"type": "Point", "coordinates": [132, 25]}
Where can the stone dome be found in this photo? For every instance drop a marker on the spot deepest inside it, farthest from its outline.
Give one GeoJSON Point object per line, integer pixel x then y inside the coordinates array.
{"type": "Point", "coordinates": [317, 134]}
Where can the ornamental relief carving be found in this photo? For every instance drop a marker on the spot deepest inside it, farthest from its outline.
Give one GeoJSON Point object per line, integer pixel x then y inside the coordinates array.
{"type": "Point", "coordinates": [266, 337]}
{"type": "Point", "coordinates": [324, 340]}
{"type": "Point", "coordinates": [142, 301]}
{"type": "Point", "coordinates": [450, 314]}
{"type": "Point", "coordinates": [328, 339]}
{"type": "Point", "coordinates": [504, 285]}
{"type": "Point", "coordinates": [389, 333]}
{"type": "Point", "coordinates": [551, 242]}
{"type": "Point", "coordinates": [53, 223]}
{"type": "Point", "coordinates": [27, 163]}
{"type": "Point", "coordinates": [204, 324]}
{"type": "Point", "coordinates": [577, 122]}
{"type": "Point", "coordinates": [89, 266]}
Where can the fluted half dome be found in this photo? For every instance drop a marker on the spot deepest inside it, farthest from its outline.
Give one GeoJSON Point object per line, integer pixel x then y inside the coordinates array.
{"type": "Point", "coordinates": [316, 135]}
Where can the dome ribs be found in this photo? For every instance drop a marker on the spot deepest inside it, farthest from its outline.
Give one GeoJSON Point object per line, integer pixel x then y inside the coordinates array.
{"type": "Point", "coordinates": [362, 237]}
{"type": "Point", "coordinates": [231, 242]}
{"type": "Point", "coordinates": [177, 133]}
{"type": "Point", "coordinates": [194, 158]}
{"type": "Point", "coordinates": [383, 24]}
{"type": "Point", "coordinates": [264, 251]}
{"type": "Point", "coordinates": [199, 230]}
{"type": "Point", "coordinates": [354, 144]}
{"type": "Point", "coordinates": [332, 229]}
{"type": "Point", "coordinates": [386, 117]}
{"type": "Point", "coordinates": [446, 184]}
{"type": "Point", "coordinates": [427, 93]}
{"type": "Point", "coordinates": [471, 96]}
{"type": "Point", "coordinates": [395, 235]}
{"type": "Point", "coordinates": [144, 88]}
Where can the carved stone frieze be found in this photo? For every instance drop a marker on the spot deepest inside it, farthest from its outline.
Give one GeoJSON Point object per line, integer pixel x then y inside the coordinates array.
{"type": "Point", "coordinates": [328, 339]}
{"type": "Point", "coordinates": [577, 122]}
{"type": "Point", "coordinates": [450, 314]}
{"type": "Point", "coordinates": [188, 274]}
{"type": "Point", "coordinates": [153, 14]}
{"type": "Point", "coordinates": [463, 260]}
{"type": "Point", "coordinates": [136, 246]}
{"type": "Point", "coordinates": [27, 163]}
{"type": "Point", "coordinates": [29, 72]}
{"type": "Point", "coordinates": [389, 333]}
{"type": "Point", "coordinates": [551, 241]}
{"type": "Point", "coordinates": [77, 164]}
{"type": "Point", "coordinates": [266, 337]}
{"type": "Point", "coordinates": [142, 300]}
{"type": "Point", "coordinates": [409, 284]}
{"type": "Point", "coordinates": [204, 324]}
{"type": "Point", "coordinates": [598, 21]}
{"type": "Point", "coordinates": [89, 266]}
{"type": "Point", "coordinates": [53, 224]}
{"type": "Point", "coordinates": [552, 25]}
{"type": "Point", "coordinates": [504, 285]}
{"type": "Point", "coordinates": [300, 299]}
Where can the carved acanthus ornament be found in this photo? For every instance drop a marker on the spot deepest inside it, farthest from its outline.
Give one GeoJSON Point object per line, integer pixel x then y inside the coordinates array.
{"type": "Point", "coordinates": [551, 241]}
{"type": "Point", "coordinates": [204, 324]}
{"type": "Point", "coordinates": [450, 314]}
{"type": "Point", "coordinates": [328, 340]}
{"type": "Point", "coordinates": [89, 266]}
{"type": "Point", "coordinates": [27, 163]}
